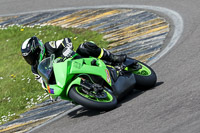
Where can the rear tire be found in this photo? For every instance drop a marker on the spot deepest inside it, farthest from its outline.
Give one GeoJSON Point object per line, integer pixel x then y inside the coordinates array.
{"type": "Point", "coordinates": [145, 77]}
{"type": "Point", "coordinates": [97, 104]}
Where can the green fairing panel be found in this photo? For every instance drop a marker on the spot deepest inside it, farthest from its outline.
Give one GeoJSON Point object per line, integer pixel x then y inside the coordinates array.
{"type": "Point", "coordinates": [84, 66]}
{"type": "Point", "coordinates": [77, 81]}
{"type": "Point", "coordinates": [60, 71]}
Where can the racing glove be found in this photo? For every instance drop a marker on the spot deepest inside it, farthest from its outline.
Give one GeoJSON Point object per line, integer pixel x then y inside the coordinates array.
{"type": "Point", "coordinates": [67, 52]}
{"type": "Point", "coordinates": [39, 79]}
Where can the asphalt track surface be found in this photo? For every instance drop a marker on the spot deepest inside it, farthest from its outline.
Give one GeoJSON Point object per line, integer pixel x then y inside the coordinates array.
{"type": "Point", "coordinates": [171, 107]}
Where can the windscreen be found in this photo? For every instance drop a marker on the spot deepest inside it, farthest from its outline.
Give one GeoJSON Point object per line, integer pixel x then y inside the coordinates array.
{"type": "Point", "coordinates": [45, 69]}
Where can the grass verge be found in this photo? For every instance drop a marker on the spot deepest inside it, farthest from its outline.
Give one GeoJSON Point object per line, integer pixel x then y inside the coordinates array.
{"type": "Point", "coordinates": [19, 91]}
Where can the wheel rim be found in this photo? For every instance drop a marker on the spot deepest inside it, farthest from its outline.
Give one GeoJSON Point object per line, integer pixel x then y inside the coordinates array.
{"type": "Point", "coordinates": [109, 97]}
{"type": "Point", "coordinates": [144, 71]}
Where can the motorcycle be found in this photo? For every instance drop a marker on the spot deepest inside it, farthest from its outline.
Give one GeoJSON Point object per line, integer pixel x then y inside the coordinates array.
{"type": "Point", "coordinates": [94, 83]}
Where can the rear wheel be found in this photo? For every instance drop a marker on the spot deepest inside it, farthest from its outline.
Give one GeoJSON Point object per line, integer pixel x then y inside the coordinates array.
{"type": "Point", "coordinates": [101, 101]}
{"type": "Point", "coordinates": [145, 76]}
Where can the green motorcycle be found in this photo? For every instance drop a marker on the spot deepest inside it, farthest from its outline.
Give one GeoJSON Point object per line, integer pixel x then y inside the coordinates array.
{"type": "Point", "coordinates": [91, 82]}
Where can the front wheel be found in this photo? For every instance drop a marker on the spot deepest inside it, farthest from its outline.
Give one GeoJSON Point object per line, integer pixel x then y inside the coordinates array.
{"type": "Point", "coordinates": [89, 101]}
{"type": "Point", "coordinates": [145, 76]}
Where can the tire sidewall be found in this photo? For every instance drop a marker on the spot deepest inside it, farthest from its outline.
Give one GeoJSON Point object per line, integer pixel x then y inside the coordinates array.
{"type": "Point", "coordinates": [78, 98]}
{"type": "Point", "coordinates": [146, 81]}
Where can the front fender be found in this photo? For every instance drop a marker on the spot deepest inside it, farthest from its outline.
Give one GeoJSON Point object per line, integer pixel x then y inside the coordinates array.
{"type": "Point", "coordinates": [77, 81]}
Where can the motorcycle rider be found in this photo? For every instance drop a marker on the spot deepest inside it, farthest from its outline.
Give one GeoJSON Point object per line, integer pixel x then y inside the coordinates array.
{"type": "Point", "coordinates": [34, 51]}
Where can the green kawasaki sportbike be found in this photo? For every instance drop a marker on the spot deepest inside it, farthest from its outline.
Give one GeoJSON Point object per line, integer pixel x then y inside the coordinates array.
{"type": "Point", "coordinates": [94, 83]}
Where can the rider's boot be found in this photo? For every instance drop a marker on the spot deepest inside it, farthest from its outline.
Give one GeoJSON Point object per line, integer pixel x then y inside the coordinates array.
{"type": "Point", "coordinates": [106, 55]}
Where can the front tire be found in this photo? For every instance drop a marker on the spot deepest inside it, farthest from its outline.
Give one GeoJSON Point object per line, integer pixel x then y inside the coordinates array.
{"type": "Point", "coordinates": [76, 93]}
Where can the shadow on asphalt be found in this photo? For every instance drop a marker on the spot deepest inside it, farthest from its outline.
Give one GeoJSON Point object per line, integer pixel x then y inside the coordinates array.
{"type": "Point", "coordinates": [82, 111]}
{"type": "Point", "coordinates": [137, 92]}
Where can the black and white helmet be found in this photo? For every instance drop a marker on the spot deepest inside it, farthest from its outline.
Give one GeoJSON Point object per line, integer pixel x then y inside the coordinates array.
{"type": "Point", "coordinates": [33, 50]}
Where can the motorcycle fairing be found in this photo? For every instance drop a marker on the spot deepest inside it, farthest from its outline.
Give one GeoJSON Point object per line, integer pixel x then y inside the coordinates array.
{"type": "Point", "coordinates": [61, 71]}
{"type": "Point", "coordinates": [84, 66]}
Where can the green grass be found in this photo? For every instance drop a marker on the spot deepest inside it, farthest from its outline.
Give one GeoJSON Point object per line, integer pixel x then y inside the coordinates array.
{"type": "Point", "coordinates": [19, 91]}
